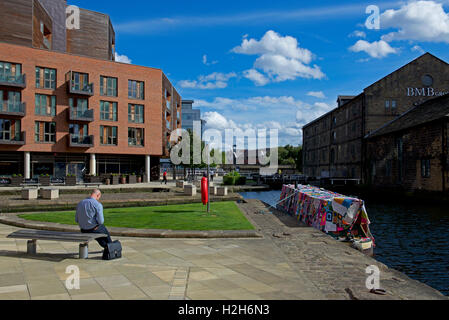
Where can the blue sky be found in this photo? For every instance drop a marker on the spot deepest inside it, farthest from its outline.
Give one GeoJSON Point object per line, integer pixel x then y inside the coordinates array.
{"type": "Point", "coordinates": [273, 64]}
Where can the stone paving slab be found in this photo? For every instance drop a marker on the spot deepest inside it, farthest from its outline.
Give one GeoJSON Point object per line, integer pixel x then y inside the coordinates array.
{"type": "Point", "coordinates": [272, 267]}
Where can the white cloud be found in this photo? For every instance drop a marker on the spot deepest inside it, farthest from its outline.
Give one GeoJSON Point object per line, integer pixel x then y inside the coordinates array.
{"type": "Point", "coordinates": [258, 78]}
{"type": "Point", "coordinates": [417, 49]}
{"type": "Point", "coordinates": [375, 49]}
{"type": "Point", "coordinates": [317, 94]}
{"type": "Point", "coordinates": [358, 34]}
{"type": "Point", "coordinates": [287, 114]}
{"type": "Point", "coordinates": [214, 80]}
{"type": "Point", "coordinates": [417, 20]}
{"type": "Point", "coordinates": [122, 58]}
{"type": "Point", "coordinates": [205, 62]}
{"type": "Point", "coordinates": [280, 58]}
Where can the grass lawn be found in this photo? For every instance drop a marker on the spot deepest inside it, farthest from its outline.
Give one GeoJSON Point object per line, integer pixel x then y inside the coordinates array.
{"type": "Point", "coordinates": [223, 216]}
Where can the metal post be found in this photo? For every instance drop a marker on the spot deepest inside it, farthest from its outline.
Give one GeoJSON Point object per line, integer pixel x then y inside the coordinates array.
{"type": "Point", "coordinates": [31, 247]}
{"type": "Point", "coordinates": [84, 250]}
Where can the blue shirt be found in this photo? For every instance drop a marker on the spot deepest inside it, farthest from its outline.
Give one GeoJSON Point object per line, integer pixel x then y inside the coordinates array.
{"type": "Point", "coordinates": [89, 214]}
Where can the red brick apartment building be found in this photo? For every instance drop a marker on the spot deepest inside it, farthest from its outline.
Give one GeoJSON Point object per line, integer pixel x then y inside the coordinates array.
{"type": "Point", "coordinates": [66, 107]}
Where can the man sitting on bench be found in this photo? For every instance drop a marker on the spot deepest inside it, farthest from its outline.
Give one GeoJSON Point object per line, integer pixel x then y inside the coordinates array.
{"type": "Point", "coordinates": [89, 216]}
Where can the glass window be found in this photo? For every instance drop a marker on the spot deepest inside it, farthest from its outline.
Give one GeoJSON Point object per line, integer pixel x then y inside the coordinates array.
{"type": "Point", "coordinates": [45, 105]}
{"type": "Point", "coordinates": [10, 129]}
{"type": "Point", "coordinates": [108, 135]}
{"type": "Point", "coordinates": [108, 86]}
{"type": "Point", "coordinates": [45, 132]}
{"type": "Point", "coordinates": [425, 168]}
{"type": "Point", "coordinates": [108, 111]}
{"type": "Point", "coordinates": [136, 89]}
{"type": "Point", "coordinates": [45, 78]}
{"type": "Point", "coordinates": [136, 137]}
{"type": "Point", "coordinates": [135, 113]}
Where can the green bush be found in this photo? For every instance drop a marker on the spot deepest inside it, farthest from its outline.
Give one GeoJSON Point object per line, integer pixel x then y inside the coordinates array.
{"type": "Point", "coordinates": [231, 178]}
{"type": "Point", "coordinates": [241, 181]}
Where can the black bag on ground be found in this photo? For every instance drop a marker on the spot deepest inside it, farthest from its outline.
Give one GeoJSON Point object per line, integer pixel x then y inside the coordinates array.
{"type": "Point", "coordinates": [113, 251]}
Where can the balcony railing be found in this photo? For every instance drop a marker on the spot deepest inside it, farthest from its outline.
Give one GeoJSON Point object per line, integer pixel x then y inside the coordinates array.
{"type": "Point", "coordinates": [13, 81]}
{"type": "Point", "coordinates": [85, 115]}
{"type": "Point", "coordinates": [13, 108]}
{"type": "Point", "coordinates": [80, 88]}
{"type": "Point", "coordinates": [17, 140]}
{"type": "Point", "coordinates": [81, 141]}
{"type": "Point", "coordinates": [86, 90]}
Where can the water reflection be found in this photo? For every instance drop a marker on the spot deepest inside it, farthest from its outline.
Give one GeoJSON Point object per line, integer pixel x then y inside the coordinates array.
{"type": "Point", "coordinates": [411, 239]}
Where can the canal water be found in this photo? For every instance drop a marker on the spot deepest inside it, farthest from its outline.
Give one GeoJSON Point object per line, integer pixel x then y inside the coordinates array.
{"type": "Point", "coordinates": [411, 239]}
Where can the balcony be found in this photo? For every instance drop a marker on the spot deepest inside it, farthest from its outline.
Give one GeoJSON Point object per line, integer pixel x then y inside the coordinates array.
{"type": "Point", "coordinates": [85, 115]}
{"type": "Point", "coordinates": [10, 108]}
{"type": "Point", "coordinates": [78, 141]}
{"type": "Point", "coordinates": [13, 81]}
{"type": "Point", "coordinates": [18, 140]}
{"type": "Point", "coordinates": [80, 87]}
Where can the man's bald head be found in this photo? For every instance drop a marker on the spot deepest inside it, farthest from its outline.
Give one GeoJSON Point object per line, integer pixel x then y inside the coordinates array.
{"type": "Point", "coordinates": [96, 194]}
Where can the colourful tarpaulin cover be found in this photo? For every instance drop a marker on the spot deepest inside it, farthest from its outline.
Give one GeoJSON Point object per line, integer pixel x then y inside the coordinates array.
{"type": "Point", "coordinates": [330, 212]}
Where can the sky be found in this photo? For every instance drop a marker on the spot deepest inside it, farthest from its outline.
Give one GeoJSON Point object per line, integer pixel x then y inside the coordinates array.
{"type": "Point", "coordinates": [273, 64]}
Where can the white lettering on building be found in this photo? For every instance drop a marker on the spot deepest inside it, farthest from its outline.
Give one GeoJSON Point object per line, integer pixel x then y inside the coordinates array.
{"type": "Point", "coordinates": [425, 92]}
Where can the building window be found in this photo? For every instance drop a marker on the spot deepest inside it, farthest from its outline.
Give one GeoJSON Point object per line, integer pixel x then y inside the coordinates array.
{"type": "Point", "coordinates": [45, 78]}
{"type": "Point", "coordinates": [9, 129]}
{"type": "Point", "coordinates": [334, 137]}
{"type": "Point", "coordinates": [393, 106]}
{"type": "Point", "coordinates": [136, 89]}
{"type": "Point", "coordinates": [108, 111]}
{"type": "Point", "coordinates": [108, 135]}
{"type": "Point", "coordinates": [425, 168]}
{"type": "Point", "coordinates": [80, 81]}
{"type": "Point", "coordinates": [136, 137]}
{"type": "Point", "coordinates": [108, 86]}
{"type": "Point", "coordinates": [78, 106]}
{"type": "Point", "coordinates": [79, 132]}
{"type": "Point", "coordinates": [45, 132]}
{"type": "Point", "coordinates": [388, 166]}
{"type": "Point", "coordinates": [387, 105]}
{"type": "Point", "coordinates": [8, 70]}
{"type": "Point", "coordinates": [45, 105]}
{"type": "Point", "coordinates": [135, 113]}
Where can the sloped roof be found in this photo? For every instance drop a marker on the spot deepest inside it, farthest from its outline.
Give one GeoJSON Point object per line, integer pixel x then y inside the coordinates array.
{"type": "Point", "coordinates": [428, 111]}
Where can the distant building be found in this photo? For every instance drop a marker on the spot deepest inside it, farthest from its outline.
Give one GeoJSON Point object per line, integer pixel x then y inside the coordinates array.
{"type": "Point", "coordinates": [189, 115]}
{"type": "Point", "coordinates": [412, 151]}
{"type": "Point", "coordinates": [334, 144]}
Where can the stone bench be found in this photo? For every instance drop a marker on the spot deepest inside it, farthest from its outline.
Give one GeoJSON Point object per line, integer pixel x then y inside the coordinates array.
{"type": "Point", "coordinates": [50, 194]}
{"type": "Point", "coordinates": [212, 190]}
{"type": "Point", "coordinates": [189, 190]}
{"type": "Point", "coordinates": [29, 194]}
{"type": "Point", "coordinates": [33, 235]}
{"type": "Point", "coordinates": [222, 191]}
{"type": "Point", "coordinates": [180, 184]}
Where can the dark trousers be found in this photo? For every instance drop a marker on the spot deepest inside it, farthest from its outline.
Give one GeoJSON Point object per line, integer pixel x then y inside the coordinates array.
{"type": "Point", "coordinates": [101, 241]}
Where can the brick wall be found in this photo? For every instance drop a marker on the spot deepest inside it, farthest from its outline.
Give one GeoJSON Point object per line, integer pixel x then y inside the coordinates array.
{"type": "Point", "coordinates": [30, 58]}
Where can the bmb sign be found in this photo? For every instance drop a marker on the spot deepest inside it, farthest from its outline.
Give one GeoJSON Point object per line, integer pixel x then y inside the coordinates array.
{"type": "Point", "coordinates": [425, 92]}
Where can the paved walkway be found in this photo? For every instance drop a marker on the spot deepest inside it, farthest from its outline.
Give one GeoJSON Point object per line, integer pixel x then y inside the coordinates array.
{"type": "Point", "coordinates": [288, 263]}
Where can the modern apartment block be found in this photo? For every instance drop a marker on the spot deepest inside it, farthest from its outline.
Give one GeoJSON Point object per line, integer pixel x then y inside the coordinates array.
{"type": "Point", "coordinates": [66, 107]}
{"type": "Point", "coordinates": [334, 145]}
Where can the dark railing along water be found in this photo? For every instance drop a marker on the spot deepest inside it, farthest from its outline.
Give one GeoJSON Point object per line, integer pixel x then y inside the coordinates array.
{"type": "Point", "coordinates": [411, 239]}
